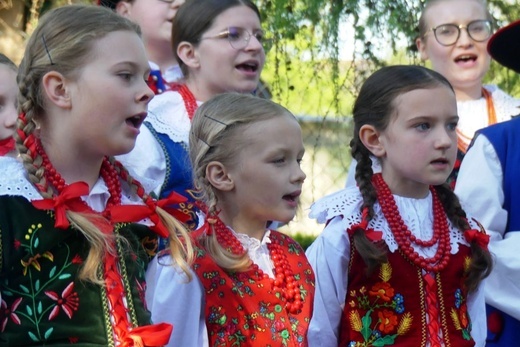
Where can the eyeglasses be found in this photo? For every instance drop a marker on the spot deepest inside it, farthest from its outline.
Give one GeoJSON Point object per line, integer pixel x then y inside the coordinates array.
{"type": "Point", "coordinates": [448, 34]}
{"type": "Point", "coordinates": [239, 38]}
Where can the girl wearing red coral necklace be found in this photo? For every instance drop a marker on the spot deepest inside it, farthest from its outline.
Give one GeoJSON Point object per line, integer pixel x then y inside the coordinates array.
{"type": "Point", "coordinates": [399, 262]}
{"type": "Point", "coordinates": [8, 114]}
{"type": "Point", "coordinates": [254, 286]}
{"type": "Point", "coordinates": [218, 45]}
{"type": "Point", "coordinates": [67, 210]}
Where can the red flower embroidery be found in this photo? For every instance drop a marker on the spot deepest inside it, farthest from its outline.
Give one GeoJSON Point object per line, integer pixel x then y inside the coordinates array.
{"type": "Point", "coordinates": [9, 313]}
{"type": "Point", "coordinates": [383, 290]}
{"type": "Point", "coordinates": [17, 244]}
{"type": "Point", "coordinates": [77, 260]}
{"type": "Point", "coordinates": [68, 302]}
{"type": "Point", "coordinates": [387, 321]}
{"type": "Point", "coordinates": [73, 340]}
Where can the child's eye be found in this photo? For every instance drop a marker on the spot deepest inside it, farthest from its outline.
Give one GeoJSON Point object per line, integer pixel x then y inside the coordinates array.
{"type": "Point", "coordinates": [452, 126]}
{"type": "Point", "coordinates": [422, 126]}
{"type": "Point", "coordinates": [125, 75]}
{"type": "Point", "coordinates": [279, 161]}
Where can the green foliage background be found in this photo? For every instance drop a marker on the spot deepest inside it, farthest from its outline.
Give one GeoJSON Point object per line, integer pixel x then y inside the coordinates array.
{"type": "Point", "coordinates": [303, 69]}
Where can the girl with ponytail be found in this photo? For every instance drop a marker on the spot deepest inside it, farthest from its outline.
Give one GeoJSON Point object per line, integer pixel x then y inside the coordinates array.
{"type": "Point", "coordinates": [72, 261]}
{"type": "Point", "coordinates": [399, 262]}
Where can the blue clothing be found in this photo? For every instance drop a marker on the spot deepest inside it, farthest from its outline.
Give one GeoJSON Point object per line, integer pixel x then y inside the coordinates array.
{"type": "Point", "coordinates": [504, 330]}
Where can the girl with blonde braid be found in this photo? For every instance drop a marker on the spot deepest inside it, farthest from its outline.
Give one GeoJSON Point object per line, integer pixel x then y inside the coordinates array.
{"type": "Point", "coordinates": [399, 262]}
{"type": "Point", "coordinates": [253, 286]}
{"type": "Point", "coordinates": [72, 263]}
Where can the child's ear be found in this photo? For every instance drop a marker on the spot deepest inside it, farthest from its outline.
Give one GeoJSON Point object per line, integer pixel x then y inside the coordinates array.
{"type": "Point", "coordinates": [370, 137]}
{"type": "Point", "coordinates": [188, 54]}
{"type": "Point", "coordinates": [55, 87]}
{"type": "Point", "coordinates": [124, 8]}
{"type": "Point", "coordinates": [218, 176]}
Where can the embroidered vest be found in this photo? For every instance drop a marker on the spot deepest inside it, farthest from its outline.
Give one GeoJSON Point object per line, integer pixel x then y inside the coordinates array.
{"type": "Point", "coordinates": [43, 301]}
{"type": "Point", "coordinates": [389, 306]}
{"type": "Point", "coordinates": [243, 310]}
{"type": "Point", "coordinates": [179, 177]}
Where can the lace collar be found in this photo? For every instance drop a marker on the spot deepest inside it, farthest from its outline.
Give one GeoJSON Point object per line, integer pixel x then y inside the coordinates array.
{"type": "Point", "coordinates": [416, 213]}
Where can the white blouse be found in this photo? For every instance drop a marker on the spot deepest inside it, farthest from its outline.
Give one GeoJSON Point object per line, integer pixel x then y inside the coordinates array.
{"type": "Point", "coordinates": [479, 187]}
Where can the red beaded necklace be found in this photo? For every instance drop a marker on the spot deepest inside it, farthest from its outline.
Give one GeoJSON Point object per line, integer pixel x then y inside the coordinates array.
{"type": "Point", "coordinates": [284, 280]}
{"type": "Point", "coordinates": [107, 172]}
{"type": "Point", "coordinates": [404, 237]}
{"type": "Point", "coordinates": [189, 100]}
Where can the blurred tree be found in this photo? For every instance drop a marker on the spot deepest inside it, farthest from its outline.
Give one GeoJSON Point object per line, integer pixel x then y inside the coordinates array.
{"type": "Point", "coordinates": [304, 70]}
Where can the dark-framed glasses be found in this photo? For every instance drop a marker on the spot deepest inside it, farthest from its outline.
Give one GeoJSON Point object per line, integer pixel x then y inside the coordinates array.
{"type": "Point", "coordinates": [239, 37]}
{"type": "Point", "coordinates": [448, 34]}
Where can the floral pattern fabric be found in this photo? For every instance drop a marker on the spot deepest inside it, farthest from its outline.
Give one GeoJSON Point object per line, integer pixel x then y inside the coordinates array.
{"type": "Point", "coordinates": [43, 301]}
{"type": "Point", "coordinates": [243, 309]}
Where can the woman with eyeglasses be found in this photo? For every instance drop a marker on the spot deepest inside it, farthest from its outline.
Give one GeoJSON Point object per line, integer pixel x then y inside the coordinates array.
{"type": "Point", "coordinates": [453, 35]}
{"type": "Point", "coordinates": [219, 45]}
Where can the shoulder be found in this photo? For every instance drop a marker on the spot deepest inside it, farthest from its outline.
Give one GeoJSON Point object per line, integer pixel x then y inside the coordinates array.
{"type": "Point", "coordinates": [506, 106]}
{"type": "Point", "coordinates": [346, 202]}
{"type": "Point", "coordinates": [13, 180]}
{"type": "Point", "coordinates": [166, 102]}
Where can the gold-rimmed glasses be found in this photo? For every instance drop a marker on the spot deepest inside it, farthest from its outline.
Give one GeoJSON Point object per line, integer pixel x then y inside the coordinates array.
{"type": "Point", "coordinates": [239, 37]}
{"type": "Point", "coordinates": [448, 34]}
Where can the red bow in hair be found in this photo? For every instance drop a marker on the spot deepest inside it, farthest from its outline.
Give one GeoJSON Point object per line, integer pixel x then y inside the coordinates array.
{"type": "Point", "coordinates": [68, 199]}
{"type": "Point", "coordinates": [478, 236]}
{"type": "Point", "coordinates": [371, 234]}
{"type": "Point", "coordinates": [135, 213]}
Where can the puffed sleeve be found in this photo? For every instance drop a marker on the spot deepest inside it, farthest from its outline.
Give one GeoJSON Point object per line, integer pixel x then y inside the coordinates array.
{"type": "Point", "coordinates": [173, 299]}
{"type": "Point", "coordinates": [329, 257]}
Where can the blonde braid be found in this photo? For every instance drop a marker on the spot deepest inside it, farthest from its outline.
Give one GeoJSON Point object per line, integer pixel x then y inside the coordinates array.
{"type": "Point", "coordinates": [181, 248]}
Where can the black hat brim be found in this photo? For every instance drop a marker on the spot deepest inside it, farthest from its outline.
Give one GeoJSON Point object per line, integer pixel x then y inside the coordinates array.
{"type": "Point", "coordinates": [504, 46]}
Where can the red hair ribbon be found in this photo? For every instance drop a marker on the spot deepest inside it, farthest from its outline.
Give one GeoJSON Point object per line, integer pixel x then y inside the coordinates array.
{"type": "Point", "coordinates": [149, 335]}
{"type": "Point", "coordinates": [478, 236]}
{"type": "Point", "coordinates": [371, 234]}
{"type": "Point", "coordinates": [6, 145]}
{"type": "Point", "coordinates": [68, 199]}
{"type": "Point", "coordinates": [135, 213]}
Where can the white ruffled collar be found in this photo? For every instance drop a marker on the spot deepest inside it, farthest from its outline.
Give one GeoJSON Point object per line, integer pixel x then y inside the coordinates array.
{"type": "Point", "coordinates": [167, 114]}
{"type": "Point", "coordinates": [14, 182]}
{"type": "Point", "coordinates": [416, 213]}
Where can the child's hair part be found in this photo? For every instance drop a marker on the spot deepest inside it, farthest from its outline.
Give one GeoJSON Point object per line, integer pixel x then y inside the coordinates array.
{"type": "Point", "coordinates": [63, 42]}
{"type": "Point", "coordinates": [4, 60]}
{"type": "Point", "coordinates": [375, 105]}
{"type": "Point", "coordinates": [195, 17]}
{"type": "Point", "coordinates": [217, 135]}
{"type": "Point", "coordinates": [423, 25]}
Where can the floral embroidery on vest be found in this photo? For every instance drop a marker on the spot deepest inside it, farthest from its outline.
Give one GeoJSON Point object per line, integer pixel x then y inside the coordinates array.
{"type": "Point", "coordinates": [27, 308]}
{"type": "Point", "coordinates": [378, 313]}
{"type": "Point", "coordinates": [242, 309]}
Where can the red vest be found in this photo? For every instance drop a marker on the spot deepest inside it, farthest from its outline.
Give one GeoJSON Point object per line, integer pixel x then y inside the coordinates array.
{"type": "Point", "coordinates": [388, 307]}
{"type": "Point", "coordinates": [243, 310]}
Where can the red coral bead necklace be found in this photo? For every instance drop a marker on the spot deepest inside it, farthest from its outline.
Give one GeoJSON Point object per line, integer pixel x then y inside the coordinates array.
{"type": "Point", "coordinates": [107, 172]}
{"type": "Point", "coordinates": [404, 237]}
{"type": "Point", "coordinates": [284, 276]}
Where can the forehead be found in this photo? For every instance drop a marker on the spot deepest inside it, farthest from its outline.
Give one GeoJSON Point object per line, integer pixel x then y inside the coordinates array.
{"type": "Point", "coordinates": [430, 102]}
{"type": "Point", "coordinates": [455, 11]}
{"type": "Point", "coordinates": [239, 16]}
{"type": "Point", "coordinates": [282, 129]}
